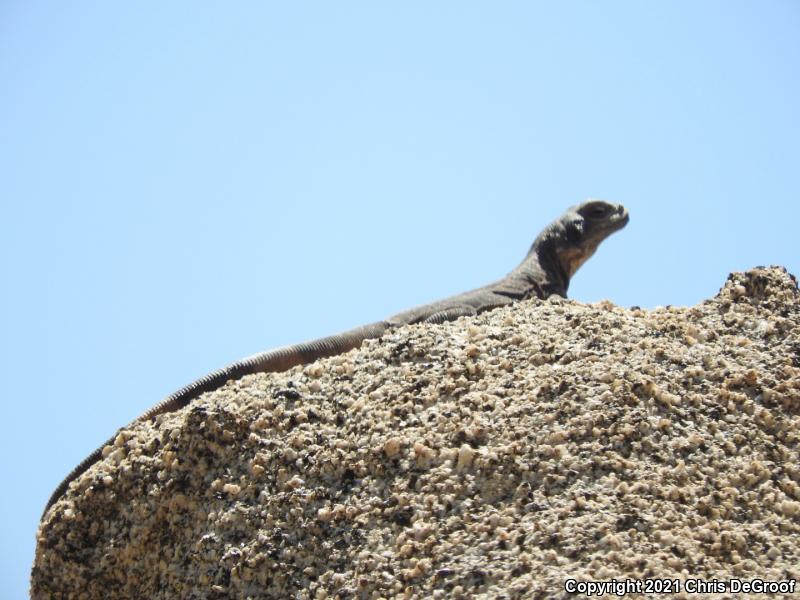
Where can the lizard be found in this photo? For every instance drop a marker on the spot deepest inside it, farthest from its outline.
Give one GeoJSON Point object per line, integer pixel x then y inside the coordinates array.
{"type": "Point", "coordinates": [553, 258]}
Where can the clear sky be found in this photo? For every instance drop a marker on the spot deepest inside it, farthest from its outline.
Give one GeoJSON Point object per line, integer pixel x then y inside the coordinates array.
{"type": "Point", "coordinates": [187, 183]}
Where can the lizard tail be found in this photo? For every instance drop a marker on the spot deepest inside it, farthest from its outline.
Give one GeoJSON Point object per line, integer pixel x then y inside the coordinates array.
{"type": "Point", "coordinates": [272, 361]}
{"type": "Point", "coordinates": [75, 473]}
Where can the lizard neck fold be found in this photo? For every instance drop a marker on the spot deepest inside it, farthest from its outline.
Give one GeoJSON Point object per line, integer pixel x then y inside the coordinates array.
{"type": "Point", "coordinates": [542, 270]}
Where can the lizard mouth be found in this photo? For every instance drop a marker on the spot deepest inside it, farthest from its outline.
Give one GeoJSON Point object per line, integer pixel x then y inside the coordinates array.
{"type": "Point", "coordinates": [614, 222]}
{"type": "Point", "coordinates": [619, 219]}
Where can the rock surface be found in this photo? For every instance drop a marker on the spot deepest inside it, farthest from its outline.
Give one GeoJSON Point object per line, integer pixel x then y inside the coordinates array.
{"type": "Point", "coordinates": [494, 457]}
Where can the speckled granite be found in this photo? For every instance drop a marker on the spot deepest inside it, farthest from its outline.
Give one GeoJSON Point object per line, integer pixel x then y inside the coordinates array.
{"type": "Point", "coordinates": [492, 457]}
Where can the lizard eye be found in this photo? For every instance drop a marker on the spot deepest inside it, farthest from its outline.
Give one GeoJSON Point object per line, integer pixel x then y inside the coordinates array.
{"type": "Point", "coordinates": [598, 211]}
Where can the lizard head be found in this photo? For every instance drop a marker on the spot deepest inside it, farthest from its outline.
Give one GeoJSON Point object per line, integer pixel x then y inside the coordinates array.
{"type": "Point", "coordinates": [573, 238]}
{"type": "Point", "coordinates": [582, 228]}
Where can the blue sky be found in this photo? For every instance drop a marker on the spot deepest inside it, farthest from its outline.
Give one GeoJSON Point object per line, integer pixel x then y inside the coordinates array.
{"type": "Point", "coordinates": [184, 184]}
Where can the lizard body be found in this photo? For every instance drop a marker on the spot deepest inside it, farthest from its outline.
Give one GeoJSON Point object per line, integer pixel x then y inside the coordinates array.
{"type": "Point", "coordinates": [556, 254]}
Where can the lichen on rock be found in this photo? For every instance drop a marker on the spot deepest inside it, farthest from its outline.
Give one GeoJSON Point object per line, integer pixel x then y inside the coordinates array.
{"type": "Point", "coordinates": [495, 456]}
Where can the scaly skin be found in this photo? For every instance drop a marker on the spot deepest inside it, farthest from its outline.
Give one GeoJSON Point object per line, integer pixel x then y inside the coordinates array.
{"type": "Point", "coordinates": [556, 254]}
